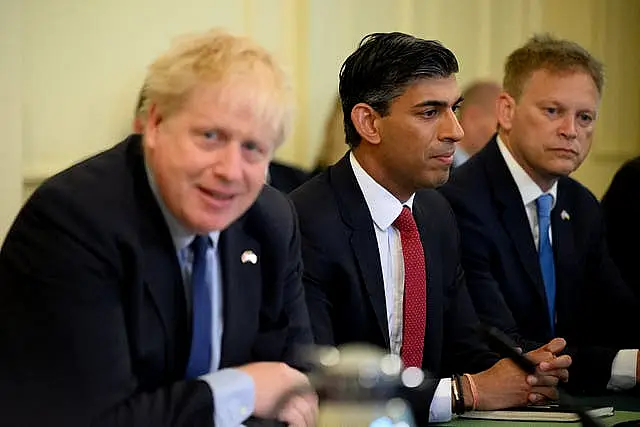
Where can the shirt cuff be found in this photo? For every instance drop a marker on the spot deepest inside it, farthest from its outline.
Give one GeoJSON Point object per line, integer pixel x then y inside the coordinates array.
{"type": "Point", "coordinates": [440, 409]}
{"type": "Point", "coordinates": [233, 396]}
{"type": "Point", "coordinates": [623, 370]}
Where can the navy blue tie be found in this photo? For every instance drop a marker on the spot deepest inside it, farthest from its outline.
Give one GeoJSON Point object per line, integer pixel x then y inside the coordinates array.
{"type": "Point", "coordinates": [200, 356]}
{"type": "Point", "coordinates": [545, 255]}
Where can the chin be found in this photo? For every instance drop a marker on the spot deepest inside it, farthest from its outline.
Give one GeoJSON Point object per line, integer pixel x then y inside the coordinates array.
{"type": "Point", "coordinates": [436, 181]}
{"type": "Point", "coordinates": [203, 224]}
{"type": "Point", "coordinates": [564, 169]}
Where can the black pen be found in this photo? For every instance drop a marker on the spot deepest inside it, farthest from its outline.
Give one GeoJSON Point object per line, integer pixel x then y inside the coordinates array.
{"type": "Point", "coordinates": [505, 347]}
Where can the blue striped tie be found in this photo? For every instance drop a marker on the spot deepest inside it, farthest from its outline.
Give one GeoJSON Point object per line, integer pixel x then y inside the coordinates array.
{"type": "Point", "coordinates": [200, 356]}
{"type": "Point", "coordinates": [545, 255]}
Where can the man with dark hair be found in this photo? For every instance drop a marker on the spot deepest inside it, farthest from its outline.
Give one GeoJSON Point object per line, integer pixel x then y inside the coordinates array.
{"type": "Point", "coordinates": [533, 246]}
{"type": "Point", "coordinates": [380, 246]}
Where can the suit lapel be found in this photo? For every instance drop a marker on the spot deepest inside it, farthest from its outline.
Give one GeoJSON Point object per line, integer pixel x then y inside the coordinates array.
{"type": "Point", "coordinates": [564, 252]}
{"type": "Point", "coordinates": [162, 275]}
{"type": "Point", "coordinates": [355, 214]}
{"type": "Point", "coordinates": [513, 215]}
{"type": "Point", "coordinates": [241, 290]}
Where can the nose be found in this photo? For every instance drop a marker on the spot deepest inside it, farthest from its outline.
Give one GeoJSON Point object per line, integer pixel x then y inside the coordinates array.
{"type": "Point", "coordinates": [568, 127]}
{"type": "Point", "coordinates": [228, 161]}
{"type": "Point", "coordinates": [450, 129]}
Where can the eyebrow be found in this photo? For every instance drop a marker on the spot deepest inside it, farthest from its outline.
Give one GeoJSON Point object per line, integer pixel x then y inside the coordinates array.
{"type": "Point", "coordinates": [437, 103]}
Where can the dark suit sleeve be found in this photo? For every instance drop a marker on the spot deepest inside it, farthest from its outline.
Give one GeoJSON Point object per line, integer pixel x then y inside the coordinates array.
{"type": "Point", "coordinates": [464, 350]}
{"type": "Point", "coordinates": [591, 367]}
{"type": "Point", "coordinates": [317, 271]}
{"type": "Point", "coordinates": [65, 357]}
{"type": "Point", "coordinates": [621, 209]}
{"type": "Point", "coordinates": [616, 307]}
{"type": "Point", "coordinates": [462, 340]}
{"type": "Point", "coordinates": [483, 287]}
{"type": "Point", "coordinates": [294, 294]}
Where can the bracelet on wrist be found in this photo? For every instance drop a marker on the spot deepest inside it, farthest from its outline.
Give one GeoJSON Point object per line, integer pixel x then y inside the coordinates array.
{"type": "Point", "coordinates": [474, 391]}
{"type": "Point", "coordinates": [458, 396]}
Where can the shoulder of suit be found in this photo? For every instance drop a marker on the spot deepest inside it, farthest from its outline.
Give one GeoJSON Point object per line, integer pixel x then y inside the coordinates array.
{"type": "Point", "coordinates": [271, 214]}
{"type": "Point", "coordinates": [629, 170]}
{"type": "Point", "coordinates": [569, 188]}
{"type": "Point", "coordinates": [633, 163]}
{"type": "Point", "coordinates": [433, 201]}
{"type": "Point", "coordinates": [271, 202]}
{"type": "Point", "coordinates": [92, 200]}
{"type": "Point", "coordinates": [429, 196]}
{"type": "Point", "coordinates": [313, 195]}
{"type": "Point", "coordinates": [94, 183]}
{"type": "Point", "coordinates": [467, 185]}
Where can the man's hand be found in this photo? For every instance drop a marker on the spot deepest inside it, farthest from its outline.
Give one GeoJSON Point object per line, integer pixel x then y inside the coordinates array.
{"type": "Point", "coordinates": [273, 382]}
{"type": "Point", "coordinates": [505, 385]}
{"type": "Point", "coordinates": [300, 411]}
{"type": "Point", "coordinates": [551, 370]}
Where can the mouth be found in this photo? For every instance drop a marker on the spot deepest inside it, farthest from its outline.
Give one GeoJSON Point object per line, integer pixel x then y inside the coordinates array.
{"type": "Point", "coordinates": [565, 152]}
{"type": "Point", "coordinates": [445, 158]}
{"type": "Point", "coordinates": [216, 198]}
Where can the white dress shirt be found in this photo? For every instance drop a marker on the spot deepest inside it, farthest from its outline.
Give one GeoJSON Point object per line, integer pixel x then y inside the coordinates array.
{"type": "Point", "coordinates": [459, 156]}
{"type": "Point", "coordinates": [384, 209]}
{"type": "Point", "coordinates": [623, 369]}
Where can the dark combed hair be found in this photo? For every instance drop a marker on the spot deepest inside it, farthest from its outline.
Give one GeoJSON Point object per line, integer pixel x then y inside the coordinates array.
{"type": "Point", "coordinates": [381, 69]}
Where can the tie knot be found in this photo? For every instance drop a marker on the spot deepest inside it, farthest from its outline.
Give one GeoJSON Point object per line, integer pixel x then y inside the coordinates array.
{"type": "Point", "coordinates": [200, 244]}
{"type": "Point", "coordinates": [543, 204]}
{"type": "Point", "coordinates": [405, 221]}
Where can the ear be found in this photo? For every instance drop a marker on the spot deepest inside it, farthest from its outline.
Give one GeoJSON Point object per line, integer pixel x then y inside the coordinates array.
{"type": "Point", "coordinates": [366, 121]}
{"type": "Point", "coordinates": [151, 126]}
{"type": "Point", "coordinates": [505, 110]}
{"type": "Point", "coordinates": [137, 125]}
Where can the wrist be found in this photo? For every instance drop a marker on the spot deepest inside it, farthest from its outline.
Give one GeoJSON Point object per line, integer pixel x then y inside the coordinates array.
{"type": "Point", "coordinates": [467, 393]}
{"type": "Point", "coordinates": [458, 406]}
{"type": "Point", "coordinates": [475, 396]}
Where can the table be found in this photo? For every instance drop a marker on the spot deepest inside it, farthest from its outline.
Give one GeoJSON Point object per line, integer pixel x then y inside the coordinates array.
{"type": "Point", "coordinates": [607, 421]}
{"type": "Point", "coordinates": [627, 408]}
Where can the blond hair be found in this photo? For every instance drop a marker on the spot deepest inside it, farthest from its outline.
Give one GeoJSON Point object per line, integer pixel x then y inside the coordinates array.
{"type": "Point", "coordinates": [219, 58]}
{"type": "Point", "coordinates": [545, 52]}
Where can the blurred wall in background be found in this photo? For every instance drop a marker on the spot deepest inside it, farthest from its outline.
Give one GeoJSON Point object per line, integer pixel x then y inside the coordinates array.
{"type": "Point", "coordinates": [70, 69]}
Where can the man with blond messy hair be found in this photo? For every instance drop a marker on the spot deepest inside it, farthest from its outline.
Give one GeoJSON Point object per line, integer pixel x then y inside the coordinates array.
{"type": "Point", "coordinates": [158, 283]}
{"type": "Point", "coordinates": [533, 247]}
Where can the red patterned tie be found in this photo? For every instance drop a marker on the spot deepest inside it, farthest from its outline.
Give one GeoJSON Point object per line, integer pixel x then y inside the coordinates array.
{"type": "Point", "coordinates": [415, 290]}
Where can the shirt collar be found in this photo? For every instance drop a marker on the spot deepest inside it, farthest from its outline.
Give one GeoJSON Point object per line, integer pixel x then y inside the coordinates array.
{"type": "Point", "coordinates": [383, 205]}
{"type": "Point", "coordinates": [460, 156]}
{"type": "Point", "coordinates": [179, 234]}
{"type": "Point", "coordinates": [529, 190]}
